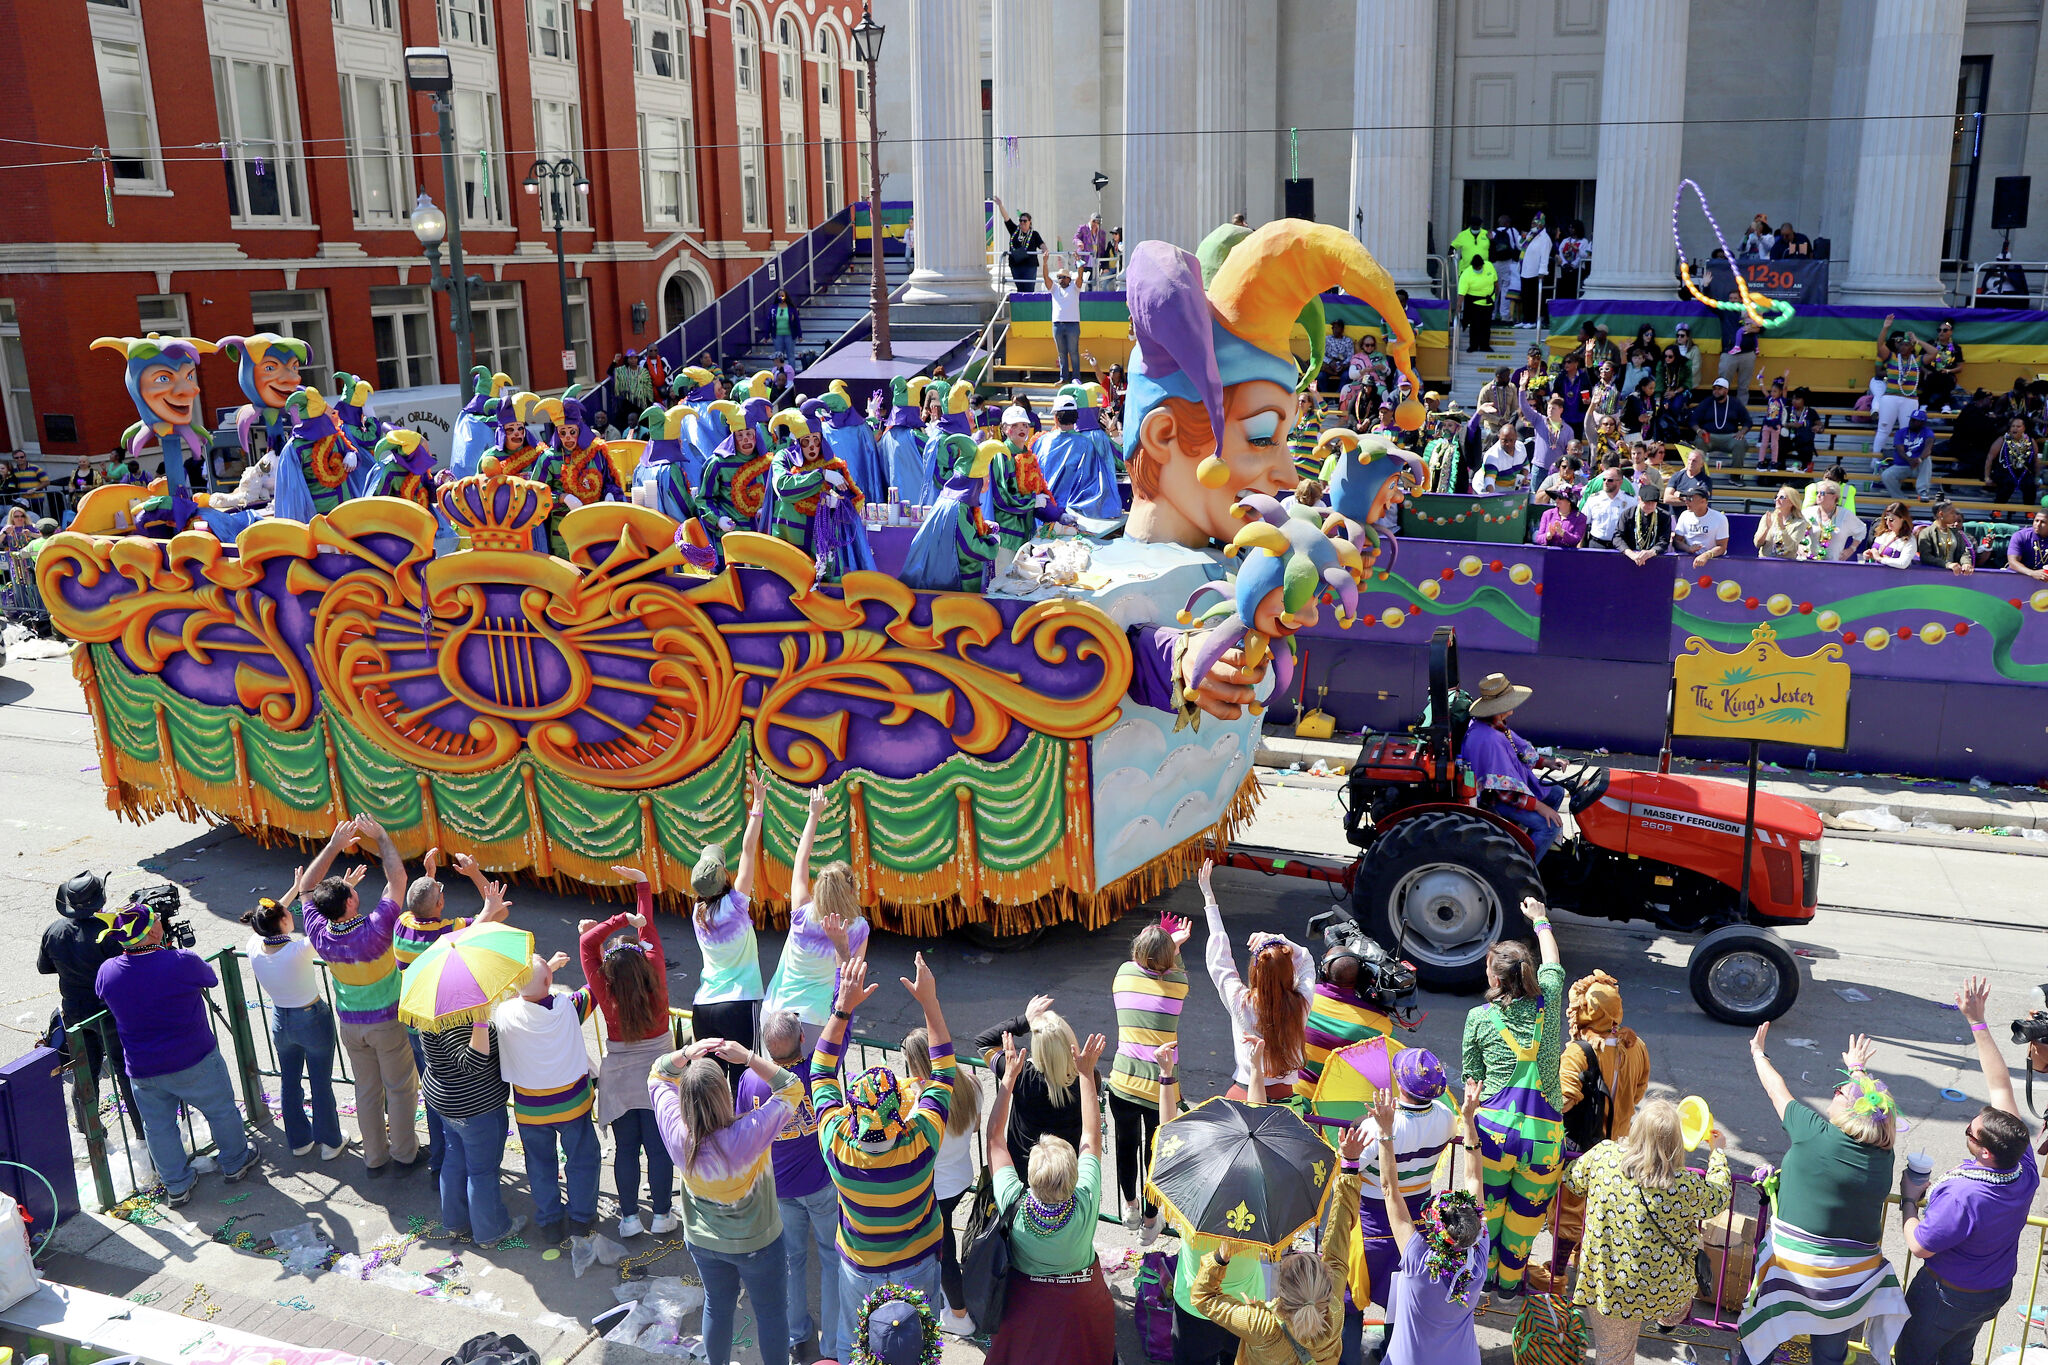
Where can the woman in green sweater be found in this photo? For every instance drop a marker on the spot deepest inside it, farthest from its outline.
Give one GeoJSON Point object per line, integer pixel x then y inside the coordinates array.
{"type": "Point", "coordinates": [1512, 1046]}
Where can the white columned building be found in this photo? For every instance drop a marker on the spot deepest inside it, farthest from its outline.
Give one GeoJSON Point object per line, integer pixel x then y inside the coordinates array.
{"type": "Point", "coordinates": [1393, 103]}
{"type": "Point", "coordinates": [945, 154]}
{"type": "Point", "coordinates": [1902, 168]}
{"type": "Point", "coordinates": [1020, 105]}
{"type": "Point", "coordinates": [1159, 109]}
{"type": "Point", "coordinates": [1219, 162]}
{"type": "Point", "coordinates": [1642, 138]}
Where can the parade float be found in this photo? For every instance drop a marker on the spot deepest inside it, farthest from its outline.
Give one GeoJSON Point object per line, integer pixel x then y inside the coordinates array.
{"type": "Point", "coordinates": [1058, 747]}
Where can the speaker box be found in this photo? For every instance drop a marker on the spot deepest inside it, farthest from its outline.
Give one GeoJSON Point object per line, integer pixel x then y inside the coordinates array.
{"type": "Point", "coordinates": [2009, 194]}
{"type": "Point", "coordinates": [1301, 198]}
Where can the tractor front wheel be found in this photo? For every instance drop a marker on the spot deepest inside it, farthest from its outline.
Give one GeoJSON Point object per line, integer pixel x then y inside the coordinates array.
{"type": "Point", "coordinates": [1743, 974]}
{"type": "Point", "coordinates": [1440, 889]}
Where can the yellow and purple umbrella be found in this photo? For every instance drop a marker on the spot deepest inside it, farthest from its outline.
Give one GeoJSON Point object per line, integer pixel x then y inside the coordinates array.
{"type": "Point", "coordinates": [1352, 1079]}
{"type": "Point", "coordinates": [458, 979]}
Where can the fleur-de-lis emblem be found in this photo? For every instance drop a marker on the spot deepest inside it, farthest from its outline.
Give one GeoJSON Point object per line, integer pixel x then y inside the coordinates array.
{"type": "Point", "coordinates": [1319, 1167]}
{"type": "Point", "coordinates": [1169, 1143]}
{"type": "Point", "coordinates": [1240, 1218]}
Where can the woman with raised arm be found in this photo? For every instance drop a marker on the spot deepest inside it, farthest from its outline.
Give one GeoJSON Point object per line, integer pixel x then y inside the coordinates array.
{"type": "Point", "coordinates": [1442, 1255]}
{"type": "Point", "coordinates": [628, 980]}
{"type": "Point", "coordinates": [1513, 1043]}
{"type": "Point", "coordinates": [1272, 1006]}
{"type": "Point", "coordinates": [728, 999]}
{"type": "Point", "coordinates": [806, 975]}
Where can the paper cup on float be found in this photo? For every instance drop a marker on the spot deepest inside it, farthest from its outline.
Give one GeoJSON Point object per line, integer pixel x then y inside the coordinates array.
{"type": "Point", "coordinates": [1695, 1121]}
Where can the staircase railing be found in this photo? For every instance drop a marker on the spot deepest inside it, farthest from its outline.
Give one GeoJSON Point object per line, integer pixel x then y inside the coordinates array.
{"type": "Point", "coordinates": [734, 321]}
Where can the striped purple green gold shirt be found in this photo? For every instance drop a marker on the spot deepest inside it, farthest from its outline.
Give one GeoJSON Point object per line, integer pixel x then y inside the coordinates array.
{"type": "Point", "coordinates": [359, 957]}
{"type": "Point", "coordinates": [1148, 1006]}
{"type": "Point", "coordinates": [888, 1219]}
{"type": "Point", "coordinates": [414, 936]}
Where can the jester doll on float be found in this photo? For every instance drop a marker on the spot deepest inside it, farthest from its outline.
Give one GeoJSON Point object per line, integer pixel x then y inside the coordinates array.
{"type": "Point", "coordinates": [1078, 460]}
{"type": "Point", "coordinates": [313, 467]}
{"type": "Point", "coordinates": [662, 479]}
{"type": "Point", "coordinates": [817, 503]}
{"type": "Point", "coordinates": [1019, 498]}
{"type": "Point", "coordinates": [903, 443]}
{"type": "Point", "coordinates": [848, 437]}
{"type": "Point", "coordinates": [267, 367]}
{"type": "Point", "coordinates": [163, 383]}
{"type": "Point", "coordinates": [577, 467]}
{"type": "Point", "coordinates": [954, 550]}
{"type": "Point", "coordinates": [352, 401]}
{"type": "Point", "coordinates": [403, 467]}
{"type": "Point", "coordinates": [735, 487]}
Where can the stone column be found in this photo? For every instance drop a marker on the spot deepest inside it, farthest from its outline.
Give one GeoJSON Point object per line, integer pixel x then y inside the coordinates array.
{"type": "Point", "coordinates": [945, 154]}
{"type": "Point", "coordinates": [1159, 109]}
{"type": "Point", "coordinates": [1021, 105]}
{"type": "Point", "coordinates": [1218, 32]}
{"type": "Point", "coordinates": [1393, 103]}
{"type": "Point", "coordinates": [1909, 107]}
{"type": "Point", "coordinates": [1642, 133]}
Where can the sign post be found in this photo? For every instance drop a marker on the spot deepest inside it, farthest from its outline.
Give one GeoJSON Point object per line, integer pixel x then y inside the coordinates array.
{"type": "Point", "coordinates": [1760, 693]}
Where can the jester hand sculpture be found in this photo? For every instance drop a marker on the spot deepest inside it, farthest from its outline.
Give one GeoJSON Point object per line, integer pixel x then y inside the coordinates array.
{"type": "Point", "coordinates": [735, 487]}
{"type": "Point", "coordinates": [267, 367]}
{"type": "Point", "coordinates": [1213, 376]}
{"type": "Point", "coordinates": [403, 467]}
{"type": "Point", "coordinates": [662, 480]}
{"type": "Point", "coordinates": [313, 467]}
{"type": "Point", "coordinates": [163, 383]}
{"type": "Point", "coordinates": [903, 443]}
{"type": "Point", "coordinates": [1079, 461]}
{"type": "Point", "coordinates": [577, 468]}
{"type": "Point", "coordinates": [817, 502]}
{"type": "Point", "coordinates": [848, 438]}
{"type": "Point", "coordinates": [954, 550]}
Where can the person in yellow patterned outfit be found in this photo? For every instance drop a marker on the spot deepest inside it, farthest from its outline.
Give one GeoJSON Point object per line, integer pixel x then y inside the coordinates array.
{"type": "Point", "coordinates": [1643, 1209]}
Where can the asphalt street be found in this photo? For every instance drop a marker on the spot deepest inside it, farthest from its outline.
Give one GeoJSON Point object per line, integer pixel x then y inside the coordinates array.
{"type": "Point", "coordinates": [1902, 924]}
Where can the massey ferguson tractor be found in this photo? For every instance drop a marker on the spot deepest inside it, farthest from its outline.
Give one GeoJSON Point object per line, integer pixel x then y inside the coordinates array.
{"type": "Point", "coordinates": [1440, 879]}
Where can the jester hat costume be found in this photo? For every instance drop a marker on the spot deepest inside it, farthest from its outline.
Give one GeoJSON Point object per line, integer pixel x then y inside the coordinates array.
{"type": "Point", "coordinates": [1080, 466]}
{"type": "Point", "coordinates": [476, 433]}
{"type": "Point", "coordinates": [700, 436]}
{"type": "Point", "coordinates": [734, 492]}
{"type": "Point", "coordinates": [662, 471]}
{"type": "Point", "coordinates": [403, 467]}
{"type": "Point", "coordinates": [313, 467]}
{"type": "Point", "coordinates": [956, 415]}
{"type": "Point", "coordinates": [577, 467]}
{"type": "Point", "coordinates": [129, 925]}
{"type": "Point", "coordinates": [163, 382]}
{"type": "Point", "coordinates": [847, 436]}
{"type": "Point", "coordinates": [903, 444]}
{"type": "Point", "coordinates": [517, 450]}
{"type": "Point", "coordinates": [814, 510]}
{"type": "Point", "coordinates": [954, 549]}
{"type": "Point", "coordinates": [351, 402]}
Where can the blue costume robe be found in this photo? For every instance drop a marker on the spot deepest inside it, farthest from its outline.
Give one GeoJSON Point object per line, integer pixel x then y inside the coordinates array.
{"type": "Point", "coordinates": [904, 455]}
{"type": "Point", "coordinates": [847, 436]}
{"type": "Point", "coordinates": [1082, 476]}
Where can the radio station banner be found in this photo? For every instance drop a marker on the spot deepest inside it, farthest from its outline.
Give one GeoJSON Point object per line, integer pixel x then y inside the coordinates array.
{"type": "Point", "coordinates": [1800, 280]}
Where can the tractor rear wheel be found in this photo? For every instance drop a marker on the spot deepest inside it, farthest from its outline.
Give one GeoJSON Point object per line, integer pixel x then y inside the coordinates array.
{"type": "Point", "coordinates": [1440, 889]}
{"type": "Point", "coordinates": [1743, 974]}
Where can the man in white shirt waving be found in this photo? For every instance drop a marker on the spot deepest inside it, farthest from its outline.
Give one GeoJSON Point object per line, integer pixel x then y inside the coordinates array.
{"type": "Point", "coordinates": [1066, 323]}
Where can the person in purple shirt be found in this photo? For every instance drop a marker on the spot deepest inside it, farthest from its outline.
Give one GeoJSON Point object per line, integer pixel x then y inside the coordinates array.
{"type": "Point", "coordinates": [156, 995]}
{"type": "Point", "coordinates": [2027, 551]}
{"type": "Point", "coordinates": [1969, 1231]}
{"type": "Point", "coordinates": [1504, 765]}
{"type": "Point", "coordinates": [803, 1187]}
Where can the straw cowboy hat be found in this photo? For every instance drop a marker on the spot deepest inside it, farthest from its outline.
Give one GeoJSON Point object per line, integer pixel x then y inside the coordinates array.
{"type": "Point", "coordinates": [1498, 696]}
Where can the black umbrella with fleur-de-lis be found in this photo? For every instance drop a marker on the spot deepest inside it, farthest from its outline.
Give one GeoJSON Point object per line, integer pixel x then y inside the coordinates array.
{"type": "Point", "coordinates": [1245, 1175]}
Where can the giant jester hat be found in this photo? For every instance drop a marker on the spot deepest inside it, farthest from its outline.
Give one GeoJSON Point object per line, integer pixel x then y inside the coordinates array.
{"type": "Point", "coordinates": [1193, 343]}
{"type": "Point", "coordinates": [408, 448]}
{"type": "Point", "coordinates": [163, 381]}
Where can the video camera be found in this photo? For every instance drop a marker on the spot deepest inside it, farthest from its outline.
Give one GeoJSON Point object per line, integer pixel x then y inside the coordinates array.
{"type": "Point", "coordinates": [1351, 960]}
{"type": "Point", "coordinates": [86, 895]}
{"type": "Point", "coordinates": [2033, 1029]}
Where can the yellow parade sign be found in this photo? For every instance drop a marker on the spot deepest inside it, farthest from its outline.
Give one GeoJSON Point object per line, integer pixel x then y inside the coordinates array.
{"type": "Point", "coordinates": [1759, 692]}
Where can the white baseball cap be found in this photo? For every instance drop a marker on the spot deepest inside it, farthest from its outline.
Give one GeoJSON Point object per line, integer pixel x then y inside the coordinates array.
{"type": "Point", "coordinates": [1014, 413]}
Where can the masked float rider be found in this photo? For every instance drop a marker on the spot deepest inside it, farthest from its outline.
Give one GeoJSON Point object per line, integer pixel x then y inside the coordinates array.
{"type": "Point", "coordinates": [313, 467]}
{"type": "Point", "coordinates": [1018, 496]}
{"type": "Point", "coordinates": [662, 480]}
{"type": "Point", "coordinates": [903, 443]}
{"type": "Point", "coordinates": [1080, 462]}
{"type": "Point", "coordinates": [954, 549]}
{"type": "Point", "coordinates": [404, 468]}
{"type": "Point", "coordinates": [817, 503]}
{"type": "Point", "coordinates": [848, 437]}
{"type": "Point", "coordinates": [163, 383]}
{"type": "Point", "coordinates": [517, 451]}
{"type": "Point", "coordinates": [476, 432]}
{"type": "Point", "coordinates": [351, 400]}
{"type": "Point", "coordinates": [577, 467]}
{"type": "Point", "coordinates": [735, 486]}
{"type": "Point", "coordinates": [701, 435]}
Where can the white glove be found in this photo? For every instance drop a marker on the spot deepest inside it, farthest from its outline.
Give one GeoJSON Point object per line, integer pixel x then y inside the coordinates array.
{"type": "Point", "coordinates": [727, 524]}
{"type": "Point", "coordinates": [1042, 500]}
{"type": "Point", "coordinates": [835, 478]}
{"type": "Point", "coordinates": [348, 461]}
{"type": "Point", "coordinates": [571, 501]}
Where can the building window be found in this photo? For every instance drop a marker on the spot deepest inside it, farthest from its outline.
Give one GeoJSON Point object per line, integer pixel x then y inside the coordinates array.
{"type": "Point", "coordinates": [254, 102]}
{"type": "Point", "coordinates": [465, 21]}
{"type": "Point", "coordinates": [664, 142]}
{"type": "Point", "coordinates": [551, 29]}
{"type": "Point", "coordinates": [661, 38]}
{"type": "Point", "coordinates": [832, 196]}
{"type": "Point", "coordinates": [746, 48]}
{"type": "Point", "coordinates": [164, 314]}
{"type": "Point", "coordinates": [558, 133]}
{"type": "Point", "coordinates": [130, 114]}
{"type": "Point", "coordinates": [828, 70]}
{"type": "Point", "coordinates": [786, 59]}
{"type": "Point", "coordinates": [751, 215]}
{"type": "Point", "coordinates": [499, 338]}
{"type": "Point", "coordinates": [792, 180]}
{"type": "Point", "coordinates": [402, 325]}
{"type": "Point", "coordinates": [371, 114]}
{"type": "Point", "coordinates": [863, 175]}
{"type": "Point", "coordinates": [579, 330]}
{"type": "Point", "coordinates": [300, 313]}
{"type": "Point", "coordinates": [479, 157]}
{"type": "Point", "coordinates": [860, 89]}
{"type": "Point", "coordinates": [377, 14]}
{"type": "Point", "coordinates": [21, 404]}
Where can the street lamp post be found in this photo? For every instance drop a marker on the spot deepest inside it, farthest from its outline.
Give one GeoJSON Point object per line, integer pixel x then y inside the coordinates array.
{"type": "Point", "coordinates": [867, 45]}
{"type": "Point", "coordinates": [429, 72]}
{"type": "Point", "coordinates": [557, 174]}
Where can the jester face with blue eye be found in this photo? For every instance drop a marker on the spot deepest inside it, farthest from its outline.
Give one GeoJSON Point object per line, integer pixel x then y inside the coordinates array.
{"type": "Point", "coordinates": [277, 378]}
{"type": "Point", "coordinates": [169, 388]}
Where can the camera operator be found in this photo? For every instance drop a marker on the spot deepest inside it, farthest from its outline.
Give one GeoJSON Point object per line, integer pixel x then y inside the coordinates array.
{"type": "Point", "coordinates": [1359, 989]}
{"type": "Point", "coordinates": [157, 998]}
{"type": "Point", "coordinates": [73, 952]}
{"type": "Point", "coordinates": [1969, 1231]}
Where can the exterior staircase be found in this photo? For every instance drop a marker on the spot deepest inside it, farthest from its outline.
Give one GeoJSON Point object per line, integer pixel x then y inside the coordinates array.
{"type": "Point", "coordinates": [829, 313]}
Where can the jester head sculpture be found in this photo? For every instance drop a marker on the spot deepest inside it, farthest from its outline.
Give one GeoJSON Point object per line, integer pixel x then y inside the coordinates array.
{"type": "Point", "coordinates": [268, 366]}
{"type": "Point", "coordinates": [1213, 376]}
{"type": "Point", "coordinates": [163, 380]}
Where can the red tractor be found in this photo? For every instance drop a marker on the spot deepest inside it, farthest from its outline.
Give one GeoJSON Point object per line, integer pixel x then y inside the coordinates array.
{"type": "Point", "coordinates": [1441, 879]}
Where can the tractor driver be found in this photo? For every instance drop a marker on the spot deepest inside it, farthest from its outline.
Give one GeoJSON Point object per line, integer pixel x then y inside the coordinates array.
{"type": "Point", "coordinates": [1504, 765]}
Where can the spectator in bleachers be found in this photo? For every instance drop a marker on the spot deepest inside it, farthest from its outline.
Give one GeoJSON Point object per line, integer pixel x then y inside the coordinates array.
{"type": "Point", "coordinates": [1971, 435]}
{"type": "Point", "coordinates": [1835, 529]}
{"type": "Point", "coordinates": [1563, 481]}
{"type": "Point", "coordinates": [1702, 532]}
{"type": "Point", "coordinates": [1496, 397]}
{"type": "Point", "coordinates": [1372, 366]}
{"type": "Point", "coordinates": [1604, 399]}
{"type": "Point", "coordinates": [1740, 336]}
{"type": "Point", "coordinates": [1646, 529]}
{"type": "Point", "coordinates": [1695, 359]}
{"type": "Point", "coordinates": [1337, 349]}
{"type": "Point", "coordinates": [1944, 366]}
{"type": "Point", "coordinates": [1896, 544]}
{"type": "Point", "coordinates": [1723, 423]}
{"type": "Point", "coordinates": [1574, 259]}
{"type": "Point", "coordinates": [1641, 364]}
{"type": "Point", "coordinates": [1757, 241]}
{"type": "Point", "coordinates": [1674, 372]}
{"type": "Point", "coordinates": [2027, 551]}
{"type": "Point", "coordinates": [1772, 426]}
{"type": "Point", "coordinates": [1899, 365]}
{"type": "Point", "coordinates": [1782, 533]}
{"type": "Point", "coordinates": [1912, 451]}
{"type": "Point", "coordinates": [2014, 465]}
{"type": "Point", "coordinates": [1575, 386]}
{"type": "Point", "coordinates": [1564, 526]}
{"type": "Point", "coordinates": [1790, 243]}
{"type": "Point", "coordinates": [1605, 507]}
{"type": "Point", "coordinates": [1026, 242]}
{"type": "Point", "coordinates": [1689, 480]}
{"type": "Point", "coordinates": [1945, 544]}
{"type": "Point", "coordinates": [1507, 263]}
{"type": "Point", "coordinates": [1639, 408]}
{"type": "Point", "coordinates": [1504, 464]}
{"type": "Point", "coordinates": [1802, 422]}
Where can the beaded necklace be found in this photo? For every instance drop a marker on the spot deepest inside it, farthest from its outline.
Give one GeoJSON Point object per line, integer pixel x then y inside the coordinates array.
{"type": "Point", "coordinates": [1047, 1221]}
{"type": "Point", "coordinates": [1983, 1175]}
{"type": "Point", "coordinates": [276, 940]}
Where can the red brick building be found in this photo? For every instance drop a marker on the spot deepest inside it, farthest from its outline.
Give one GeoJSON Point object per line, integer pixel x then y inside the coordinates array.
{"type": "Point", "coordinates": [264, 157]}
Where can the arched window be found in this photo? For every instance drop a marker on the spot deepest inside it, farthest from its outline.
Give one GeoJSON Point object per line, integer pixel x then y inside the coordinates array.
{"type": "Point", "coordinates": [789, 60]}
{"type": "Point", "coordinates": [746, 45]}
{"type": "Point", "coordinates": [828, 69]}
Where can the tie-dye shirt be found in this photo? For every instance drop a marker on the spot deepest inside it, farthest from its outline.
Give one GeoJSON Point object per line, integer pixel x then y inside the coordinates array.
{"type": "Point", "coordinates": [359, 957]}
{"type": "Point", "coordinates": [808, 972]}
{"type": "Point", "coordinates": [888, 1219]}
{"type": "Point", "coordinates": [729, 1187]}
{"type": "Point", "coordinates": [732, 960]}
